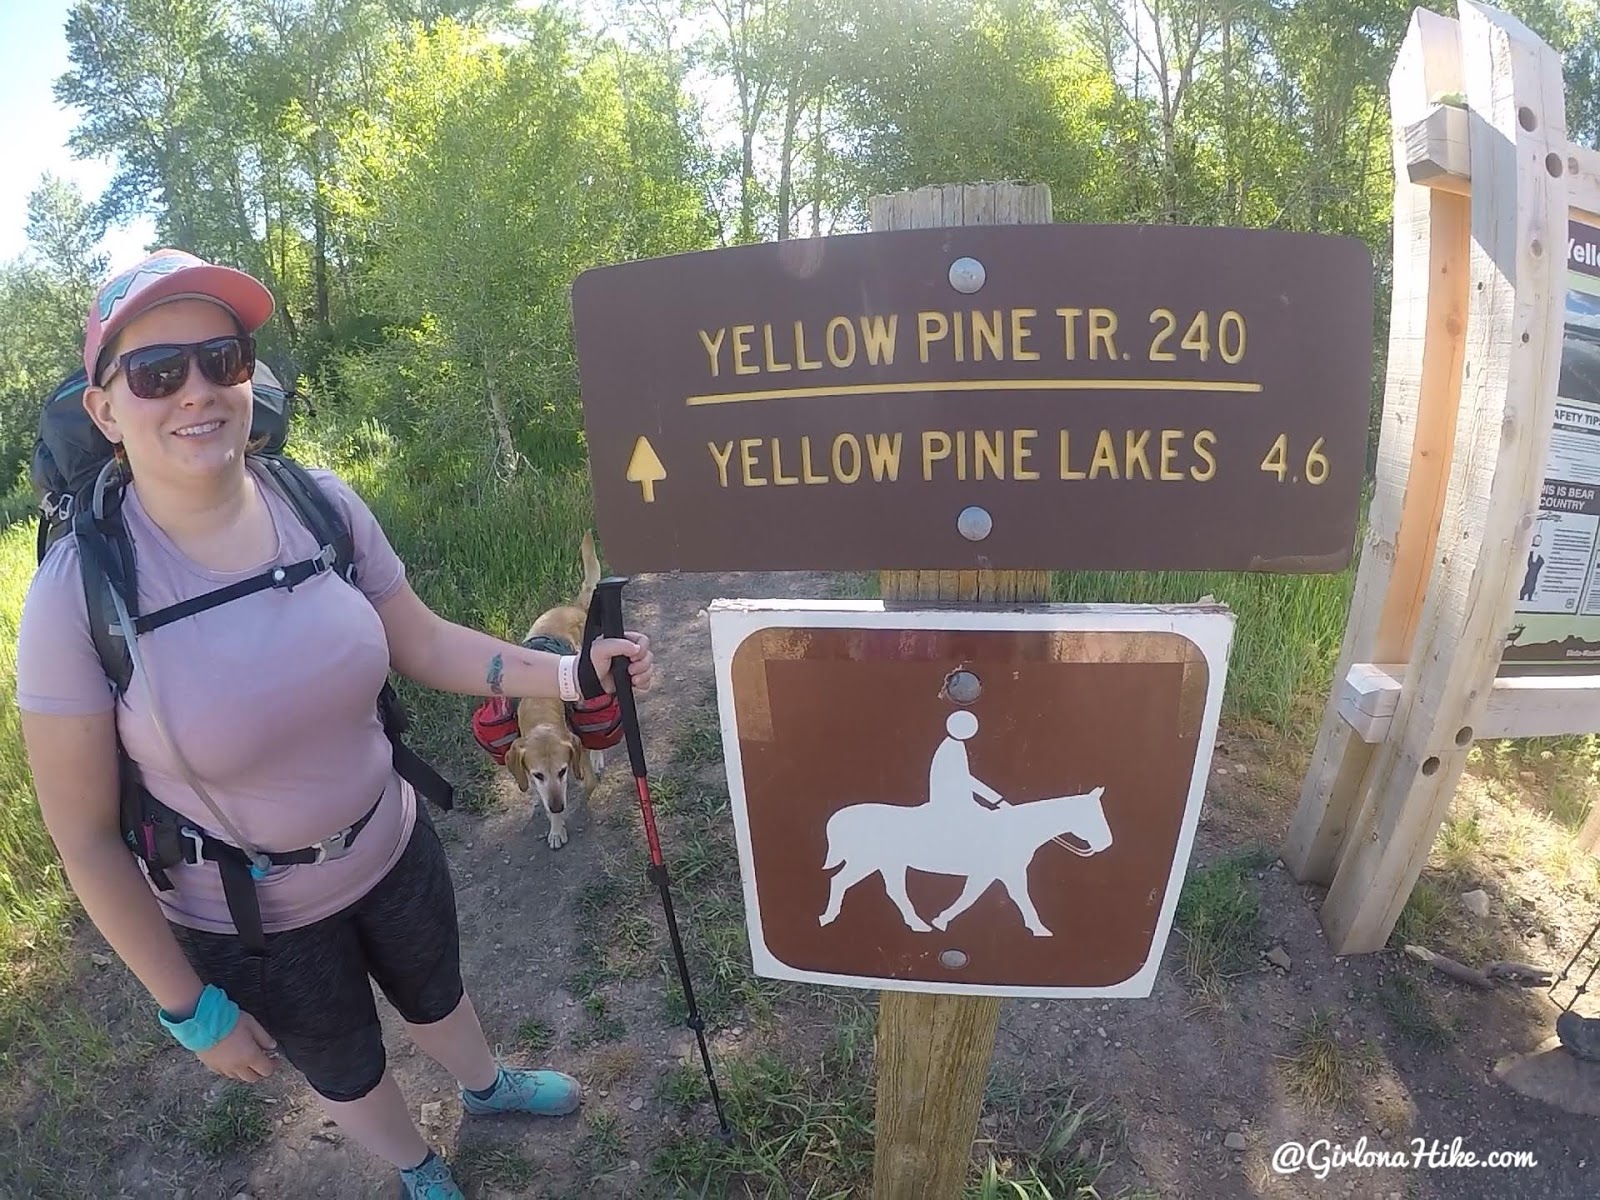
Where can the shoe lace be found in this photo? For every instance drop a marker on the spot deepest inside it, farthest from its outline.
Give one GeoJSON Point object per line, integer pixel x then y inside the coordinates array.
{"type": "Point", "coordinates": [424, 1180]}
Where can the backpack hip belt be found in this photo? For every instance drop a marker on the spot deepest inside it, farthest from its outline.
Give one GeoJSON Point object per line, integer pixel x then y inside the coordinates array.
{"type": "Point", "coordinates": [161, 837]}
{"type": "Point", "coordinates": [201, 846]}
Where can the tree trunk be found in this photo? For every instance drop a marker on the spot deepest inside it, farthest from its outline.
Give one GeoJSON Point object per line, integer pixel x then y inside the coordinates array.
{"type": "Point", "coordinates": [1231, 139]}
{"type": "Point", "coordinates": [791, 118]}
{"type": "Point", "coordinates": [283, 273]}
{"type": "Point", "coordinates": [1169, 172]}
{"type": "Point", "coordinates": [319, 263]}
{"type": "Point", "coordinates": [505, 448]}
{"type": "Point", "coordinates": [319, 252]}
{"type": "Point", "coordinates": [179, 214]}
{"type": "Point", "coordinates": [816, 175]}
{"type": "Point", "coordinates": [283, 236]}
{"type": "Point", "coordinates": [344, 281]}
{"type": "Point", "coordinates": [277, 235]}
{"type": "Point", "coordinates": [747, 216]}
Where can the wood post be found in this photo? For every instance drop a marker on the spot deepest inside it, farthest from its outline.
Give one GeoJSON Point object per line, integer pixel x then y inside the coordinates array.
{"type": "Point", "coordinates": [1445, 563]}
{"type": "Point", "coordinates": [1426, 341]}
{"type": "Point", "coordinates": [1589, 836]}
{"type": "Point", "coordinates": [934, 1050]}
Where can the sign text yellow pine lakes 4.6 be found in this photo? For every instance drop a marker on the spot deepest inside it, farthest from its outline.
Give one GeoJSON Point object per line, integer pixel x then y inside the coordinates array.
{"type": "Point", "coordinates": [1001, 398]}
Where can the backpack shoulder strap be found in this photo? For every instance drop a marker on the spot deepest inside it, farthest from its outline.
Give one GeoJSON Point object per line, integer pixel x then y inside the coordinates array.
{"type": "Point", "coordinates": [315, 510]}
{"type": "Point", "coordinates": [105, 561]}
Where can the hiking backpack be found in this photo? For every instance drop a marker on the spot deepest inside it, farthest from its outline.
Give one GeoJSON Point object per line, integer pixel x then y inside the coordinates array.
{"type": "Point", "coordinates": [79, 485]}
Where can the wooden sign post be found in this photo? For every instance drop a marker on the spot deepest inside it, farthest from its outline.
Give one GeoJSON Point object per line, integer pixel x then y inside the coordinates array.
{"type": "Point", "coordinates": [934, 1050]}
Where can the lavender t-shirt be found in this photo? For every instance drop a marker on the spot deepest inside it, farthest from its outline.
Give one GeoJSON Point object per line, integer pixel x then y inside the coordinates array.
{"type": "Point", "coordinates": [271, 698]}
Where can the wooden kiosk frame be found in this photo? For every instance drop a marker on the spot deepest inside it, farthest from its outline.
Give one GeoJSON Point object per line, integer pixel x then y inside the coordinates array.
{"type": "Point", "coordinates": [1485, 181]}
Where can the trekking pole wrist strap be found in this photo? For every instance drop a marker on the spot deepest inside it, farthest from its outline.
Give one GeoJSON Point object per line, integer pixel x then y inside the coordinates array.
{"type": "Point", "coordinates": [214, 1019]}
{"type": "Point", "coordinates": [589, 685]}
{"type": "Point", "coordinates": [589, 678]}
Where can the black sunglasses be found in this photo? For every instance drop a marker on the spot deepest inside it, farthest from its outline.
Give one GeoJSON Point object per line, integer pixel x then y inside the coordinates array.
{"type": "Point", "coordinates": [158, 371]}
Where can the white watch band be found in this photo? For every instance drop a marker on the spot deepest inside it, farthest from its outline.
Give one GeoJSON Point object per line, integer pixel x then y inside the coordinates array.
{"type": "Point", "coordinates": [567, 677]}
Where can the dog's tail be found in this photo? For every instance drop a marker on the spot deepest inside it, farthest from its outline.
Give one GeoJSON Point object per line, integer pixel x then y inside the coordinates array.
{"type": "Point", "coordinates": [591, 572]}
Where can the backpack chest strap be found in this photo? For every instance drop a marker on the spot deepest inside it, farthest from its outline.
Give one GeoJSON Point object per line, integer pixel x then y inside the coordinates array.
{"type": "Point", "coordinates": [287, 578]}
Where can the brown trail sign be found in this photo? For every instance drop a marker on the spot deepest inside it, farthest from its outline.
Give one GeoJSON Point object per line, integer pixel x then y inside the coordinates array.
{"type": "Point", "coordinates": [1031, 841]}
{"type": "Point", "coordinates": [1196, 398]}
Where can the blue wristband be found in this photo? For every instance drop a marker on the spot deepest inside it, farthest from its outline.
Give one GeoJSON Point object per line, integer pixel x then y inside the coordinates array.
{"type": "Point", "coordinates": [214, 1019]}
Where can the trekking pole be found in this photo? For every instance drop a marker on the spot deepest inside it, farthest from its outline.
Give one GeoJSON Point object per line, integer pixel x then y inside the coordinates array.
{"type": "Point", "coordinates": [608, 594]}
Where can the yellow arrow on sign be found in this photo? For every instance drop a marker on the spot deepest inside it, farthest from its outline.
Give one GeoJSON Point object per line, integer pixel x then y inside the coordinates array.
{"type": "Point", "coordinates": [645, 468]}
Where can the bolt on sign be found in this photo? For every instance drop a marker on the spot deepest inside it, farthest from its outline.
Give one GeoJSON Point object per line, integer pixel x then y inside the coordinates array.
{"type": "Point", "coordinates": [1194, 398]}
{"type": "Point", "coordinates": [966, 800]}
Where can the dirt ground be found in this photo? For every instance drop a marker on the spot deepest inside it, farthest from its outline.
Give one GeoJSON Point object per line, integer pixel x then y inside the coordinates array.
{"type": "Point", "coordinates": [565, 957]}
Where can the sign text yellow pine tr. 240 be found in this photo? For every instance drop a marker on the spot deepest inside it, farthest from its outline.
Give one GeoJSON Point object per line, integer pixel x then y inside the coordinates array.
{"type": "Point", "coordinates": [1185, 398]}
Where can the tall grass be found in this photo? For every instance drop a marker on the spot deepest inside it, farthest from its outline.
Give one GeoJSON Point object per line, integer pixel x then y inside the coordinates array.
{"type": "Point", "coordinates": [17, 505]}
{"type": "Point", "coordinates": [34, 909]}
{"type": "Point", "coordinates": [33, 894]}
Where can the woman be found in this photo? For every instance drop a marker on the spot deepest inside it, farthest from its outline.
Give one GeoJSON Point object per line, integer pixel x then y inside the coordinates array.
{"type": "Point", "coordinates": [269, 700]}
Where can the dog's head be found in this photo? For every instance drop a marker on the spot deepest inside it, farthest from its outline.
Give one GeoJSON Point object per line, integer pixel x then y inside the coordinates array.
{"type": "Point", "coordinates": [543, 760]}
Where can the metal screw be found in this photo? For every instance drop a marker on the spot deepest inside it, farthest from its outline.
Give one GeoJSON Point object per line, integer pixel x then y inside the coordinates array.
{"type": "Point", "coordinates": [974, 523]}
{"type": "Point", "coordinates": [966, 275]}
{"type": "Point", "coordinates": [962, 687]}
{"type": "Point", "coordinates": [954, 959]}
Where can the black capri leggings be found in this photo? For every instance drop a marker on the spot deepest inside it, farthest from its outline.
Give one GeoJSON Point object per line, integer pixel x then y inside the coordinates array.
{"type": "Point", "coordinates": [312, 992]}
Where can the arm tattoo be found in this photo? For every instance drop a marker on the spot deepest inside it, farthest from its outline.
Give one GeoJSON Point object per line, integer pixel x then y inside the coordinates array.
{"type": "Point", "coordinates": [496, 670]}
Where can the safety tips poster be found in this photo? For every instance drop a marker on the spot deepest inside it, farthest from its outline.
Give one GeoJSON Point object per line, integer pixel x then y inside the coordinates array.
{"type": "Point", "coordinates": [1557, 613]}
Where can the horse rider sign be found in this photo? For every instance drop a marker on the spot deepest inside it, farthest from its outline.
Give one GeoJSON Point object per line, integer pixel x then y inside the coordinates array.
{"type": "Point", "coordinates": [980, 801]}
{"type": "Point", "coordinates": [947, 835]}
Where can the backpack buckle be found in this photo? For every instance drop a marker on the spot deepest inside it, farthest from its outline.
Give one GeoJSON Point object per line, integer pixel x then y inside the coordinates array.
{"type": "Point", "coordinates": [58, 508]}
{"type": "Point", "coordinates": [325, 559]}
{"type": "Point", "coordinates": [194, 839]}
{"type": "Point", "coordinates": [340, 847]}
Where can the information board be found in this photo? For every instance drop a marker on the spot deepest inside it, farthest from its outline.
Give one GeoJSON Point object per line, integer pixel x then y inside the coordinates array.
{"type": "Point", "coordinates": [1557, 614]}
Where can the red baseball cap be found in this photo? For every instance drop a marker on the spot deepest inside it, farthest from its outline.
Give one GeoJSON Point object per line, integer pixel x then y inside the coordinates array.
{"type": "Point", "coordinates": [170, 275]}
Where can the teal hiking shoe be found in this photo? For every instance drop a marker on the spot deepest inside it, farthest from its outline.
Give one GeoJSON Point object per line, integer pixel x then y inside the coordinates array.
{"type": "Point", "coordinates": [516, 1090]}
{"type": "Point", "coordinates": [429, 1181]}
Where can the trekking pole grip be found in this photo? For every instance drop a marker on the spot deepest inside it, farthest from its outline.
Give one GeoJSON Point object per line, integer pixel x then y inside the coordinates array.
{"type": "Point", "coordinates": [608, 594]}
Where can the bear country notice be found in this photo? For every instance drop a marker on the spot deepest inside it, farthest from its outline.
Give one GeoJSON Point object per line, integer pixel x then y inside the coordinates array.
{"type": "Point", "coordinates": [1557, 614]}
{"type": "Point", "coordinates": [989, 397]}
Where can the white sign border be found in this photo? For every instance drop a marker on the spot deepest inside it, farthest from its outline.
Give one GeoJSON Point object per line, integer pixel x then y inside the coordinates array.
{"type": "Point", "coordinates": [1208, 626]}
